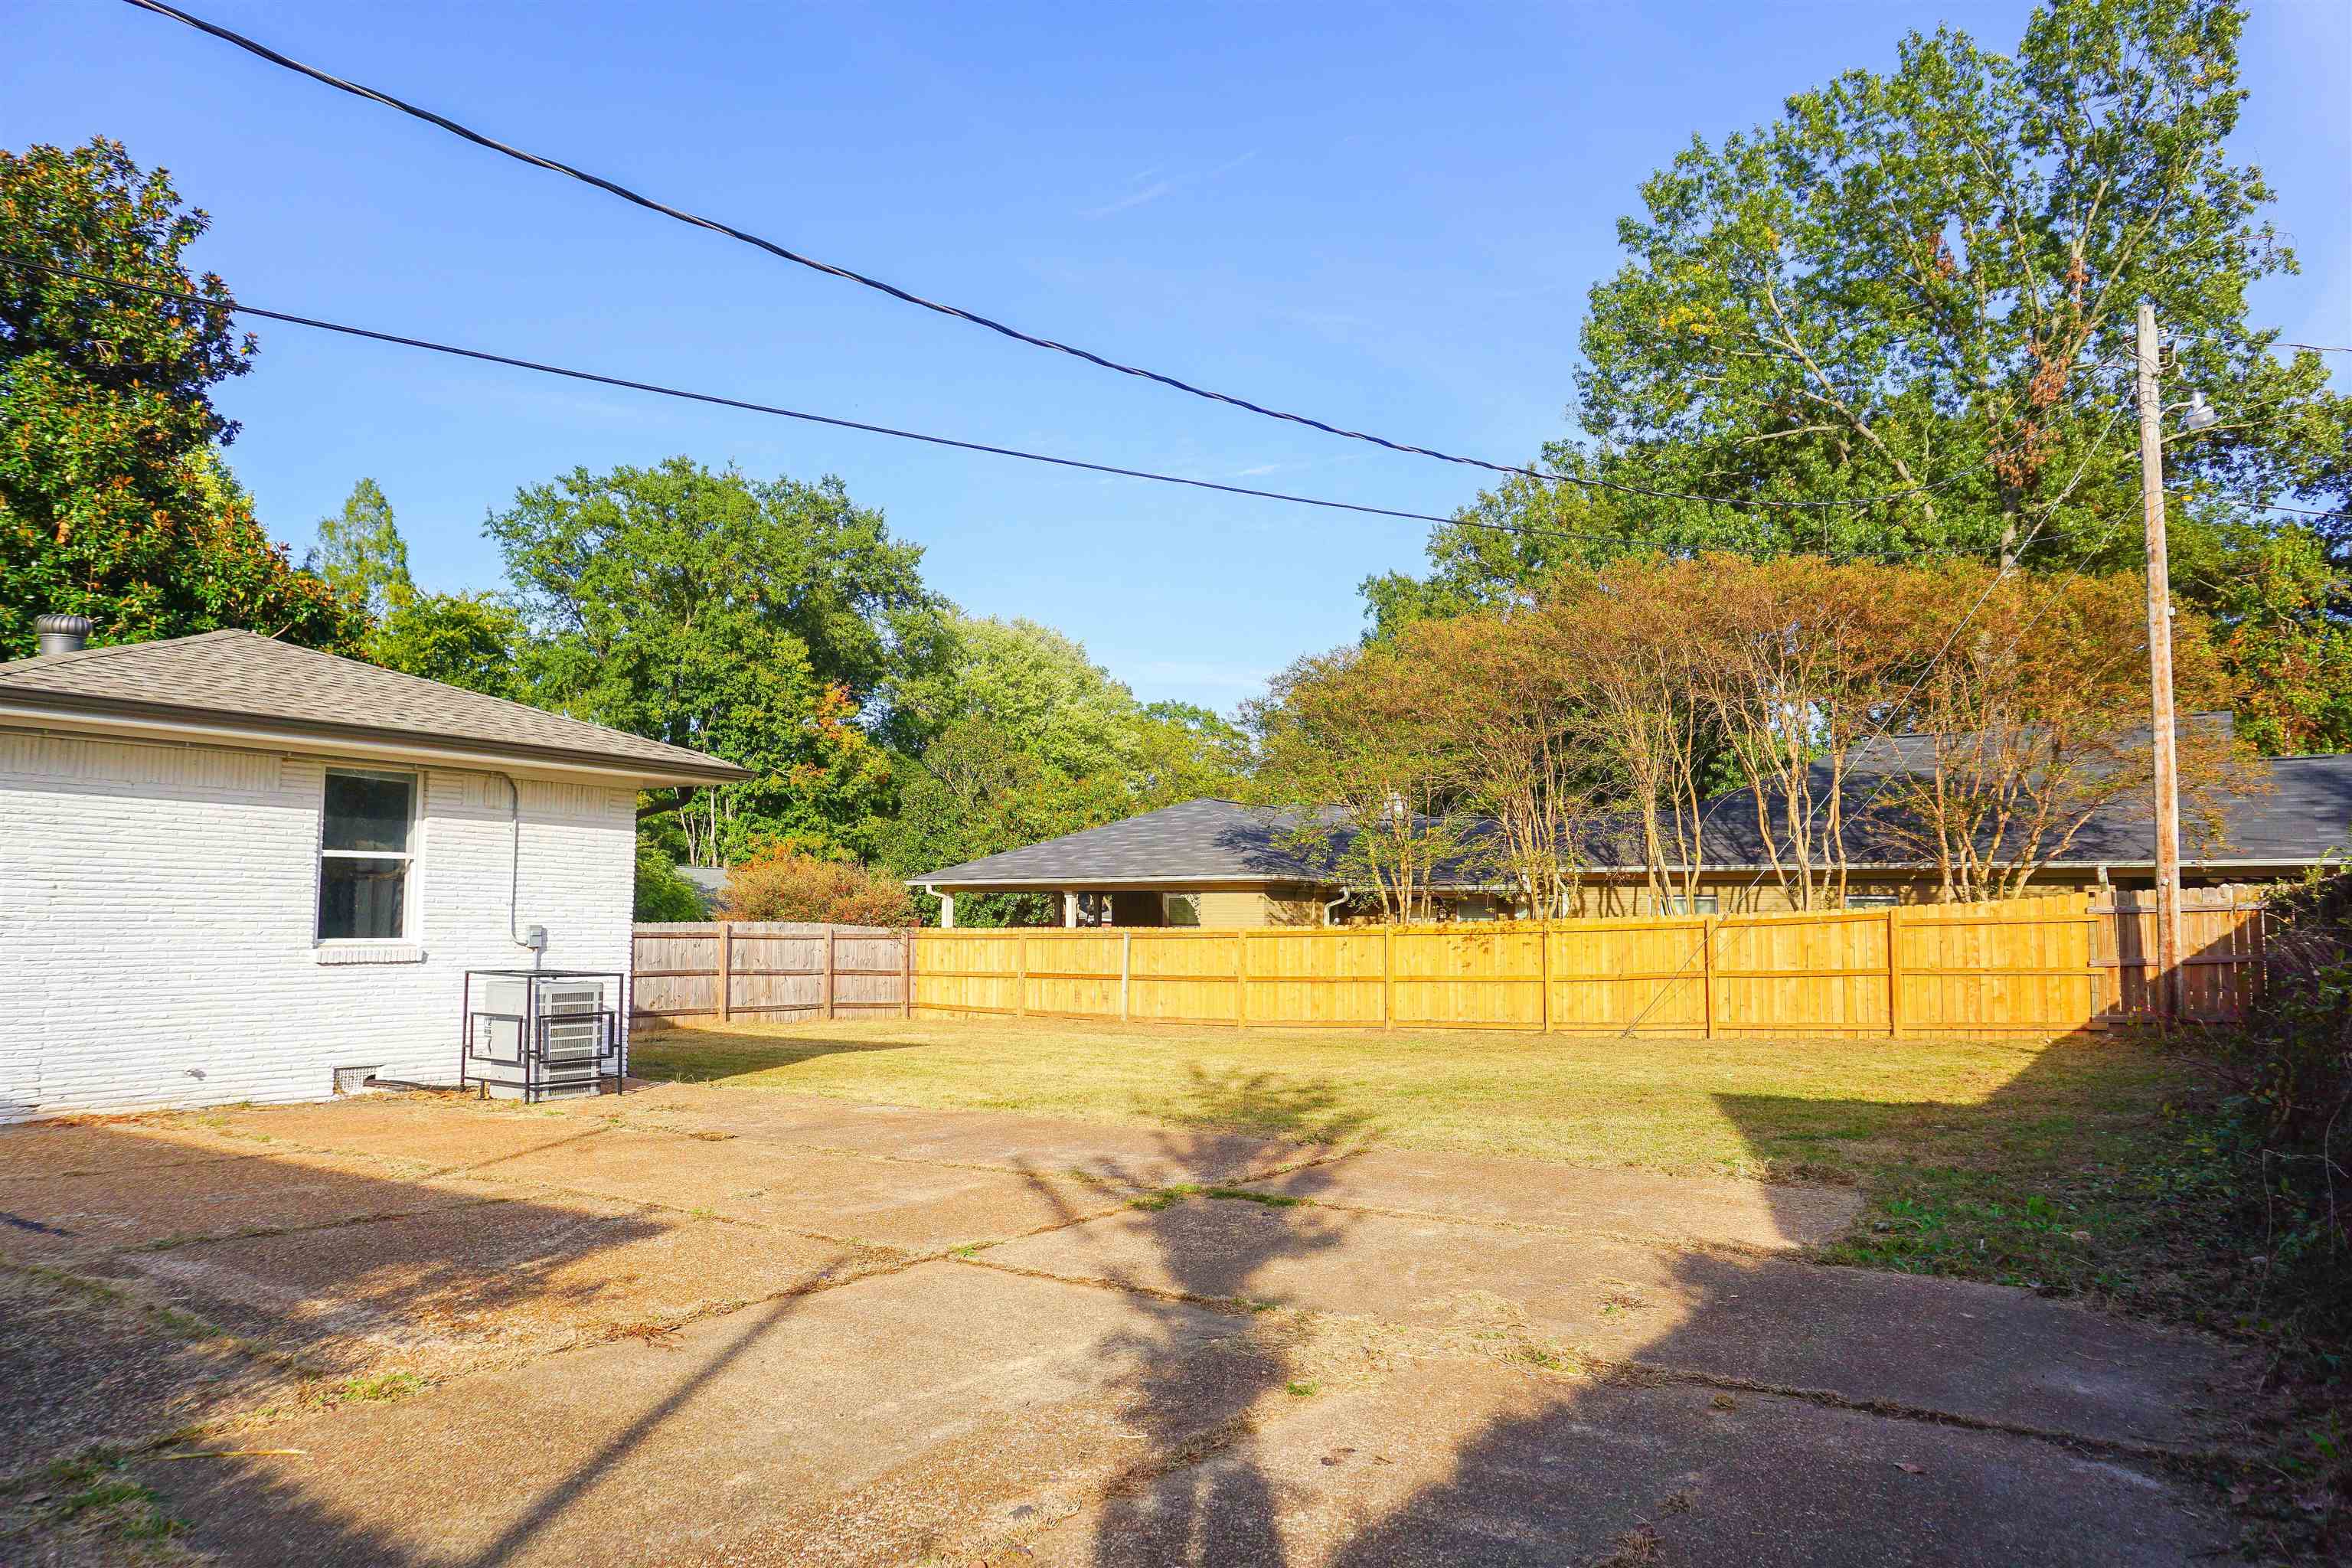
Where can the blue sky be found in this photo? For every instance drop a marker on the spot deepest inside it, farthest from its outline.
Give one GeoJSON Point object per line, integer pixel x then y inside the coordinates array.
{"type": "Point", "coordinates": [1384, 216]}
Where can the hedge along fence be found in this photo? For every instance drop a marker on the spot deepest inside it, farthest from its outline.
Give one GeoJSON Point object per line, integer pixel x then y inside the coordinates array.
{"type": "Point", "coordinates": [2026, 967]}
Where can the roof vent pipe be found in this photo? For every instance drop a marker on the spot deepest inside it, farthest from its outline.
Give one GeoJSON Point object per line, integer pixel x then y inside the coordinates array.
{"type": "Point", "coordinates": [62, 634]}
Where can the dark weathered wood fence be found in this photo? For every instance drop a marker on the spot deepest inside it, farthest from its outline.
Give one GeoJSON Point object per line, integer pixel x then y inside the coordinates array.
{"type": "Point", "coordinates": [773, 970]}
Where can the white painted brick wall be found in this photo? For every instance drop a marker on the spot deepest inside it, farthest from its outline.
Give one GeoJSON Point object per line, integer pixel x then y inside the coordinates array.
{"type": "Point", "coordinates": [158, 906]}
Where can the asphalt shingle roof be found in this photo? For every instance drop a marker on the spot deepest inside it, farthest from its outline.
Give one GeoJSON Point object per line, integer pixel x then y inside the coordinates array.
{"type": "Point", "coordinates": [2298, 813]}
{"type": "Point", "coordinates": [1199, 841]}
{"type": "Point", "coordinates": [262, 683]}
{"type": "Point", "coordinates": [2304, 813]}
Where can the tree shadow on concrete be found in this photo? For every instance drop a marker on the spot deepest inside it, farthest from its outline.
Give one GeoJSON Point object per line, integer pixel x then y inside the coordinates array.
{"type": "Point", "coordinates": [1200, 1243]}
{"type": "Point", "coordinates": [1762, 1410]}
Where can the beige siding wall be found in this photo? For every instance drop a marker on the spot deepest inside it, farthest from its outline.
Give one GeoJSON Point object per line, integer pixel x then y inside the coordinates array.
{"type": "Point", "coordinates": [1256, 909]}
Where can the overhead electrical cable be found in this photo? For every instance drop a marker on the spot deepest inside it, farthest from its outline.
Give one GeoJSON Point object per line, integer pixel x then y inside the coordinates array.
{"type": "Point", "coordinates": [657, 389]}
{"type": "Point", "coordinates": [405, 341]}
{"type": "Point", "coordinates": [907, 296]}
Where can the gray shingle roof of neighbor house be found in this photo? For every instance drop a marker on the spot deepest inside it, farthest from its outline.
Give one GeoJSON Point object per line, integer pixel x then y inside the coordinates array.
{"type": "Point", "coordinates": [249, 683]}
{"type": "Point", "coordinates": [1198, 841]}
{"type": "Point", "coordinates": [2303, 817]}
{"type": "Point", "coordinates": [2298, 812]}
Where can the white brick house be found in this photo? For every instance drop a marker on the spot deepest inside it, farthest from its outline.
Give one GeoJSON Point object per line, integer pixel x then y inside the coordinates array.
{"type": "Point", "coordinates": [230, 867]}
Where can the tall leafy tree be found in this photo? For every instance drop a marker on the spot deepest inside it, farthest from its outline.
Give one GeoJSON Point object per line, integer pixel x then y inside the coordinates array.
{"type": "Point", "coordinates": [1034, 682]}
{"type": "Point", "coordinates": [361, 551]}
{"type": "Point", "coordinates": [765, 621]}
{"type": "Point", "coordinates": [1913, 295]}
{"type": "Point", "coordinates": [114, 500]}
{"type": "Point", "coordinates": [473, 640]}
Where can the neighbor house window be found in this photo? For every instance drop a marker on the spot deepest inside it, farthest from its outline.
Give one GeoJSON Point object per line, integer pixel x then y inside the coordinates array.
{"type": "Point", "coordinates": [1688, 904]}
{"type": "Point", "coordinates": [1181, 909]}
{"type": "Point", "coordinates": [363, 857]}
{"type": "Point", "coordinates": [1870, 900]}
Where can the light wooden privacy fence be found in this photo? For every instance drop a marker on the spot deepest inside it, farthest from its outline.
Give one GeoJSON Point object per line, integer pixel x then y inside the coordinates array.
{"type": "Point", "coordinates": [2029, 966]}
{"type": "Point", "coordinates": [773, 970]}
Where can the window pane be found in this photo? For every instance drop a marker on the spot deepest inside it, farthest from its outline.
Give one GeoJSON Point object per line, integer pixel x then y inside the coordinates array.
{"type": "Point", "coordinates": [361, 898]}
{"type": "Point", "coordinates": [368, 810]}
{"type": "Point", "coordinates": [1183, 910]}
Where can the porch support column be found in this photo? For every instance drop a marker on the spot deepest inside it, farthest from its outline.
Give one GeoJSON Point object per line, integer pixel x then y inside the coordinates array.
{"type": "Point", "coordinates": [1070, 910]}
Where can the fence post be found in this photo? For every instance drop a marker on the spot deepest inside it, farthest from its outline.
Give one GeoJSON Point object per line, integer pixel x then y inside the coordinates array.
{"type": "Point", "coordinates": [1241, 978]}
{"type": "Point", "coordinates": [907, 972]}
{"type": "Point", "coordinates": [1706, 971]}
{"type": "Point", "coordinates": [825, 996]}
{"type": "Point", "coordinates": [726, 970]}
{"type": "Point", "coordinates": [1020, 976]}
{"type": "Point", "coordinates": [1388, 980]}
{"type": "Point", "coordinates": [1543, 954]}
{"type": "Point", "coordinates": [1893, 972]}
{"type": "Point", "coordinates": [1125, 953]}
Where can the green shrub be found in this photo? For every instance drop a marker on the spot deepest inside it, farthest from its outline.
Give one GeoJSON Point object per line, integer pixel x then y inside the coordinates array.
{"type": "Point", "coordinates": [663, 893]}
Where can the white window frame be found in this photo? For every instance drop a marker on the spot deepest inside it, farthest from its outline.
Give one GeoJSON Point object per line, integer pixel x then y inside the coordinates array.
{"type": "Point", "coordinates": [407, 857]}
{"type": "Point", "coordinates": [1873, 901]}
{"type": "Point", "coordinates": [1679, 904]}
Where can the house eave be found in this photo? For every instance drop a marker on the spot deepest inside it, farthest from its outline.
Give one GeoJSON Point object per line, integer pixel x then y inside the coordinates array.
{"type": "Point", "coordinates": [121, 720]}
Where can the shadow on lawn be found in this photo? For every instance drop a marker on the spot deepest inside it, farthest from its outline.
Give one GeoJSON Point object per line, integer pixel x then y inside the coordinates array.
{"type": "Point", "coordinates": [717, 1054]}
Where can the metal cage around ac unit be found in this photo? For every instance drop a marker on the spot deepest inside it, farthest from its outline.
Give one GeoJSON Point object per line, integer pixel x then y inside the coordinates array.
{"type": "Point", "coordinates": [543, 1034]}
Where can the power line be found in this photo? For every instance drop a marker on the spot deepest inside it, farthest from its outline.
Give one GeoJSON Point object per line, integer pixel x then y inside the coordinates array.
{"type": "Point", "coordinates": [906, 295]}
{"type": "Point", "coordinates": [485, 355]}
{"type": "Point", "coordinates": [2319, 348]}
{"type": "Point", "coordinates": [1666, 546]}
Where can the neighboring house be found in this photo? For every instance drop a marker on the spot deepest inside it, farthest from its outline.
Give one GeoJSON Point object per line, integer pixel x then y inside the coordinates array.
{"type": "Point", "coordinates": [230, 867]}
{"type": "Point", "coordinates": [709, 884]}
{"type": "Point", "coordinates": [1212, 862]}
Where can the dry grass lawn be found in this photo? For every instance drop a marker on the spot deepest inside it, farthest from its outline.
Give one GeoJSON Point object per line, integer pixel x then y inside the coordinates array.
{"type": "Point", "coordinates": [1820, 1110]}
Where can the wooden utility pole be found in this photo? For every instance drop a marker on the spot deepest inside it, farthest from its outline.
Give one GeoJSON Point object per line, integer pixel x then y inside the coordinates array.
{"type": "Point", "coordinates": [2162, 738]}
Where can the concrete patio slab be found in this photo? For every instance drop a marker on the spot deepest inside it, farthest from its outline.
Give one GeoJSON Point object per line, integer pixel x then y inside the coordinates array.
{"type": "Point", "coordinates": [73, 1216]}
{"type": "Point", "coordinates": [82, 1148]}
{"type": "Point", "coordinates": [1140, 1157]}
{"type": "Point", "coordinates": [653, 1167]}
{"type": "Point", "coordinates": [909, 1205]}
{"type": "Point", "coordinates": [1980, 1351]}
{"type": "Point", "coordinates": [1600, 1200]}
{"type": "Point", "coordinates": [441, 1292]}
{"type": "Point", "coordinates": [437, 1133]}
{"type": "Point", "coordinates": [80, 1367]}
{"type": "Point", "coordinates": [1458, 1463]}
{"type": "Point", "coordinates": [872, 1424]}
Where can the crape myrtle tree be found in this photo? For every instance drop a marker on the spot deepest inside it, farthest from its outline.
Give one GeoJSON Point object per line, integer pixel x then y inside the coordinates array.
{"type": "Point", "coordinates": [1913, 295]}
{"type": "Point", "coordinates": [1629, 708]}
{"type": "Point", "coordinates": [114, 503]}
